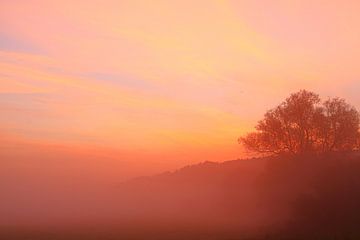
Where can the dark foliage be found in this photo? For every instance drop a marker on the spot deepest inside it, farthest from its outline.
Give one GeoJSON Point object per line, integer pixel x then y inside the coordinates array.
{"type": "Point", "coordinates": [304, 124]}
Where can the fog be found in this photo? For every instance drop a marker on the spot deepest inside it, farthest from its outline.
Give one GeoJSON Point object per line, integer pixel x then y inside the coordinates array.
{"type": "Point", "coordinates": [272, 196]}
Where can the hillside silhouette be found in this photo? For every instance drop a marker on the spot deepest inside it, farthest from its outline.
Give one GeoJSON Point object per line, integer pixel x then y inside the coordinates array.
{"type": "Point", "coordinates": [279, 196]}
{"type": "Point", "coordinates": [275, 197]}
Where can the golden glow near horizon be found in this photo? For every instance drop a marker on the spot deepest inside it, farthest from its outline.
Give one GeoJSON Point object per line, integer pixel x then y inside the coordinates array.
{"type": "Point", "coordinates": [165, 81]}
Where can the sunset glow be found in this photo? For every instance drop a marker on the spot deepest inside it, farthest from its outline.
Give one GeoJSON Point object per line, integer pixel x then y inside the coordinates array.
{"type": "Point", "coordinates": [143, 86]}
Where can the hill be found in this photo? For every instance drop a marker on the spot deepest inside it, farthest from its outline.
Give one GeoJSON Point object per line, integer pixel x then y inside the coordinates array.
{"type": "Point", "coordinates": [283, 197]}
{"type": "Point", "coordinates": [273, 195]}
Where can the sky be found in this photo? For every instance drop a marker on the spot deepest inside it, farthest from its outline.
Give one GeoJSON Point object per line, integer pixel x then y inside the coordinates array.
{"type": "Point", "coordinates": [101, 91]}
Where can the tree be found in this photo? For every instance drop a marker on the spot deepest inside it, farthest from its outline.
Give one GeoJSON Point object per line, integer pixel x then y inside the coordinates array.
{"type": "Point", "coordinates": [304, 124]}
{"type": "Point", "coordinates": [341, 125]}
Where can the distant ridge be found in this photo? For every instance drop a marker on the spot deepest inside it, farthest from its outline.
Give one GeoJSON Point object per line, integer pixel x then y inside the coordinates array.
{"type": "Point", "coordinates": [266, 193]}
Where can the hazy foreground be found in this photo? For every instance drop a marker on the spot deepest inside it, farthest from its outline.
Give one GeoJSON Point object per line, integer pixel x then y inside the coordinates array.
{"type": "Point", "coordinates": [275, 197]}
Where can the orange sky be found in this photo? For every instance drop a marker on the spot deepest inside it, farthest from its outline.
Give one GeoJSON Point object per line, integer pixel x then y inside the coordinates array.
{"type": "Point", "coordinates": [135, 87]}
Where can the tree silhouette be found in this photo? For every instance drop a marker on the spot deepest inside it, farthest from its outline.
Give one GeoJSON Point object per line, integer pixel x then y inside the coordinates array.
{"type": "Point", "coordinates": [305, 124]}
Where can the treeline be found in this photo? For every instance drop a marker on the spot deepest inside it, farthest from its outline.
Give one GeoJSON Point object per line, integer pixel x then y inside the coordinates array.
{"type": "Point", "coordinates": [304, 124]}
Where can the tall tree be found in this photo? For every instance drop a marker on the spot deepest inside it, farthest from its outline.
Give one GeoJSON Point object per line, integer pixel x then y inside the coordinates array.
{"type": "Point", "coordinates": [304, 124]}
